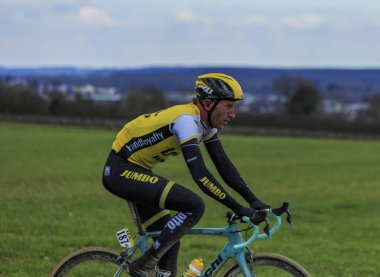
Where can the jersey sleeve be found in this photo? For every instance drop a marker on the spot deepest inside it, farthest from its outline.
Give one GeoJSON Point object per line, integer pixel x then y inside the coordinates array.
{"type": "Point", "coordinates": [227, 170]}
{"type": "Point", "coordinates": [210, 134]}
{"type": "Point", "coordinates": [185, 128]}
{"type": "Point", "coordinates": [203, 177]}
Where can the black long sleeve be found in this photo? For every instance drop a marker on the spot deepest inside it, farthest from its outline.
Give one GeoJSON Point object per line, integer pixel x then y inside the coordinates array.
{"type": "Point", "coordinates": [202, 176]}
{"type": "Point", "coordinates": [227, 170]}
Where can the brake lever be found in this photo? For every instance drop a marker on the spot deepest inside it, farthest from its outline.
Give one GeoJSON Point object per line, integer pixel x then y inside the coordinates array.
{"type": "Point", "coordinates": [260, 216]}
{"type": "Point", "coordinates": [266, 228]}
{"type": "Point", "coordinates": [284, 209]}
{"type": "Point", "coordinates": [289, 218]}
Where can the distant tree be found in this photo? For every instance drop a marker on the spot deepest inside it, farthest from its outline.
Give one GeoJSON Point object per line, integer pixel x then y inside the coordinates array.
{"type": "Point", "coordinates": [372, 113]}
{"type": "Point", "coordinates": [81, 107]}
{"type": "Point", "coordinates": [144, 100]}
{"type": "Point", "coordinates": [374, 107]}
{"type": "Point", "coordinates": [287, 85]}
{"type": "Point", "coordinates": [5, 98]}
{"type": "Point", "coordinates": [57, 103]}
{"type": "Point", "coordinates": [305, 101]}
{"type": "Point", "coordinates": [296, 96]}
{"type": "Point", "coordinates": [21, 100]}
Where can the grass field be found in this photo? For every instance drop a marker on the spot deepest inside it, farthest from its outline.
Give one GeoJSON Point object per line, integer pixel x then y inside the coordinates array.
{"type": "Point", "coordinates": [52, 200]}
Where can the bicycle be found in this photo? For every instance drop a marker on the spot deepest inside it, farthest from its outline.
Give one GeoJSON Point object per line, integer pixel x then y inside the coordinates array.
{"type": "Point", "coordinates": [246, 262]}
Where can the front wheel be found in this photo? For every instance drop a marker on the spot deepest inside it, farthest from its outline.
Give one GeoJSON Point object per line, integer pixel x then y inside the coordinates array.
{"type": "Point", "coordinates": [92, 261]}
{"type": "Point", "coordinates": [269, 264]}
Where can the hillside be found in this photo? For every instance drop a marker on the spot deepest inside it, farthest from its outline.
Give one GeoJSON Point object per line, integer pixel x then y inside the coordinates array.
{"type": "Point", "coordinates": [352, 84]}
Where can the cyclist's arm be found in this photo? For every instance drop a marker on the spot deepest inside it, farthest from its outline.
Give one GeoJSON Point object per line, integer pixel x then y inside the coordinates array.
{"type": "Point", "coordinates": [205, 180]}
{"type": "Point", "coordinates": [227, 170]}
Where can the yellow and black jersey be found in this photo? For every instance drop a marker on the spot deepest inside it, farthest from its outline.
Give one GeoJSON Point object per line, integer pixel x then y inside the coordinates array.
{"type": "Point", "coordinates": [152, 138]}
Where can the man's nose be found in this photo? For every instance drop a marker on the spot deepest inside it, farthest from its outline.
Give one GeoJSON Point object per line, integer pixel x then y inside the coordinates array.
{"type": "Point", "coordinates": [232, 114]}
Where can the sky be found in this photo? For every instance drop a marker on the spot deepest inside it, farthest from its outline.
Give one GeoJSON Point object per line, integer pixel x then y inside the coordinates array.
{"type": "Point", "coordinates": [144, 33]}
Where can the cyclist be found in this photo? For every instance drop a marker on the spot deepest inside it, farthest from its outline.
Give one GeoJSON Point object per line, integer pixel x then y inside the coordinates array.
{"type": "Point", "coordinates": [151, 138]}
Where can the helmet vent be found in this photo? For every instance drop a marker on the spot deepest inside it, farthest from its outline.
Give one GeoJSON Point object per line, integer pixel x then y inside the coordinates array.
{"type": "Point", "coordinates": [218, 85]}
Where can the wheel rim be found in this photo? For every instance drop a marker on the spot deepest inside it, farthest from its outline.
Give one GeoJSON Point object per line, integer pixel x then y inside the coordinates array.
{"type": "Point", "coordinates": [89, 263]}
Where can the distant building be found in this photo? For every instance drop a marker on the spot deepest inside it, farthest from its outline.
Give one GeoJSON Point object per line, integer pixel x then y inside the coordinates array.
{"type": "Point", "coordinates": [177, 97]}
{"type": "Point", "coordinates": [348, 110]}
{"type": "Point", "coordinates": [90, 92]}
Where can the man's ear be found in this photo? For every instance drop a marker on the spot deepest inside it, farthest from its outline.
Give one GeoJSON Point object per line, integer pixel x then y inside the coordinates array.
{"type": "Point", "coordinates": [207, 104]}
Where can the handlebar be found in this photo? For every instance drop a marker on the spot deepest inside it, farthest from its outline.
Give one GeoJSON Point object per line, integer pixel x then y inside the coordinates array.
{"type": "Point", "coordinates": [268, 232]}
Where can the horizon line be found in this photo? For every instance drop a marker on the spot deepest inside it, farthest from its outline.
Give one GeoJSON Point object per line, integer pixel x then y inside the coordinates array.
{"type": "Point", "coordinates": [94, 68]}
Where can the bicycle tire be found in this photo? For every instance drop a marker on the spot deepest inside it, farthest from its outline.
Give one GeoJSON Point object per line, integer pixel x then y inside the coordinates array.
{"type": "Point", "coordinates": [71, 264]}
{"type": "Point", "coordinates": [272, 260]}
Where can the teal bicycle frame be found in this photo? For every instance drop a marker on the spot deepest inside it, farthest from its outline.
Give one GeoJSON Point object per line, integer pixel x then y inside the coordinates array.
{"type": "Point", "coordinates": [235, 248]}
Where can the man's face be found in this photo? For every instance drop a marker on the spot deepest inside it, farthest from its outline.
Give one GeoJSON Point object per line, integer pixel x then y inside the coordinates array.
{"type": "Point", "coordinates": [223, 113]}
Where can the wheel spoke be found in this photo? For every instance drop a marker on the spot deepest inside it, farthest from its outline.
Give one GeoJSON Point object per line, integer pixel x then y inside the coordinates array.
{"type": "Point", "coordinates": [273, 265]}
{"type": "Point", "coordinates": [88, 262]}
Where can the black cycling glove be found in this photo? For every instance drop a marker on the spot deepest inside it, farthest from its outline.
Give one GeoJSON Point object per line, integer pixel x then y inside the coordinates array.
{"type": "Point", "coordinates": [258, 205]}
{"type": "Point", "coordinates": [244, 211]}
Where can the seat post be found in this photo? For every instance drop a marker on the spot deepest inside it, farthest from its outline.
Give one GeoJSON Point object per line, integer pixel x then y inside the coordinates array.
{"type": "Point", "coordinates": [135, 217]}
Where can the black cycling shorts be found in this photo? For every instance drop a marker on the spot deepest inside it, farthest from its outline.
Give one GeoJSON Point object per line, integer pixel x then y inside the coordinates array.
{"type": "Point", "coordinates": [148, 190]}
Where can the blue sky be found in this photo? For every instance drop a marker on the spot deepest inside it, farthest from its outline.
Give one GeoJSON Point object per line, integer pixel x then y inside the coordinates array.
{"type": "Point", "coordinates": [124, 33]}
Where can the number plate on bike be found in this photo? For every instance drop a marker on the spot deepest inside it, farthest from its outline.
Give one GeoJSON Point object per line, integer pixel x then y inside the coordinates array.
{"type": "Point", "coordinates": [124, 237]}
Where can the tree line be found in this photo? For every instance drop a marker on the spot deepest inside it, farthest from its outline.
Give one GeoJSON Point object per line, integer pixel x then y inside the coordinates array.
{"type": "Point", "coordinates": [26, 100]}
{"type": "Point", "coordinates": [299, 105]}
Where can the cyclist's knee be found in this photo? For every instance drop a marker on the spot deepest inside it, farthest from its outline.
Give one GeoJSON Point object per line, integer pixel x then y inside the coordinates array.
{"type": "Point", "coordinates": [197, 206]}
{"type": "Point", "coordinates": [193, 204]}
{"type": "Point", "coordinates": [184, 200]}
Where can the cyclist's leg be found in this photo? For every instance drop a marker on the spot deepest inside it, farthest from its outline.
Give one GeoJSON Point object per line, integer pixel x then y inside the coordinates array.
{"type": "Point", "coordinates": [170, 259]}
{"type": "Point", "coordinates": [190, 209]}
{"type": "Point", "coordinates": [154, 219]}
{"type": "Point", "coordinates": [134, 183]}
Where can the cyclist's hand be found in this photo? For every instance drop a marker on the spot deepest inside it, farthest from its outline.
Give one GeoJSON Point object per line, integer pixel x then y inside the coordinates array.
{"type": "Point", "coordinates": [244, 211]}
{"type": "Point", "coordinates": [258, 205]}
{"type": "Point", "coordinates": [255, 216]}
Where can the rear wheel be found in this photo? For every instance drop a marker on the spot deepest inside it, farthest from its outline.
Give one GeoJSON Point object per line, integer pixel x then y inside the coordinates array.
{"type": "Point", "coordinates": [93, 261]}
{"type": "Point", "coordinates": [269, 264]}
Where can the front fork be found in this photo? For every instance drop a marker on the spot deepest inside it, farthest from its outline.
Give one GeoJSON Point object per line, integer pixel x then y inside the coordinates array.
{"type": "Point", "coordinates": [244, 258]}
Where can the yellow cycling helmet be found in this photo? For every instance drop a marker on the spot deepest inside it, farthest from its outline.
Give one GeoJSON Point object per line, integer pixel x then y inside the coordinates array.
{"type": "Point", "coordinates": [218, 86]}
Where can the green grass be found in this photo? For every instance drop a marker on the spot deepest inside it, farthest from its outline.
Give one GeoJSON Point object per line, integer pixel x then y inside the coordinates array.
{"type": "Point", "coordinates": [52, 200]}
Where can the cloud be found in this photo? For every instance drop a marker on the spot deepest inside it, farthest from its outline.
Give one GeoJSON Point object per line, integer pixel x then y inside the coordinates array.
{"type": "Point", "coordinates": [185, 16]}
{"type": "Point", "coordinates": [189, 16]}
{"type": "Point", "coordinates": [304, 22]}
{"type": "Point", "coordinates": [38, 2]}
{"type": "Point", "coordinates": [20, 2]}
{"type": "Point", "coordinates": [94, 16]}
